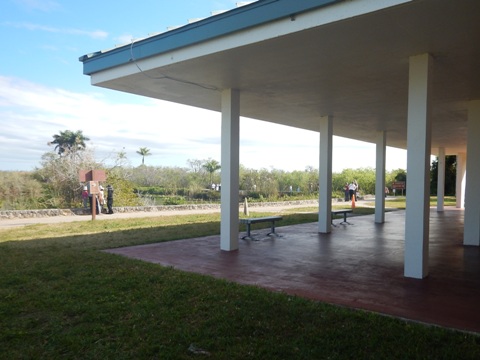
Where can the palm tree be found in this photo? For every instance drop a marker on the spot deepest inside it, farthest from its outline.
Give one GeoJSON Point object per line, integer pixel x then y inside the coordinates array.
{"type": "Point", "coordinates": [69, 141]}
{"type": "Point", "coordinates": [211, 166]}
{"type": "Point", "coordinates": [143, 151]}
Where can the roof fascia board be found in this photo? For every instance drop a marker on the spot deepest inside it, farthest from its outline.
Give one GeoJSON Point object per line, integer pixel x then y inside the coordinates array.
{"type": "Point", "coordinates": [244, 17]}
{"type": "Point", "coordinates": [265, 31]}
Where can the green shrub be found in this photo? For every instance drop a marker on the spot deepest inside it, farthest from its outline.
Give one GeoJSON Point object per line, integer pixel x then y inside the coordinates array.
{"type": "Point", "coordinates": [174, 200]}
{"type": "Point", "coordinates": [20, 191]}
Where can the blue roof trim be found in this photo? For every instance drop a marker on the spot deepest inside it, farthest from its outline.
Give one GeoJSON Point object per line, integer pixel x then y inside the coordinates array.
{"type": "Point", "coordinates": [241, 18]}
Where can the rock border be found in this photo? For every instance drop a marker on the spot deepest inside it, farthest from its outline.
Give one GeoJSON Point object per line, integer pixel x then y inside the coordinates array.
{"type": "Point", "coordinates": [42, 213]}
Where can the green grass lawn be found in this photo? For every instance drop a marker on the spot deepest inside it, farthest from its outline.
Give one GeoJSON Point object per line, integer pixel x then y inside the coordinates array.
{"type": "Point", "coordinates": [62, 298]}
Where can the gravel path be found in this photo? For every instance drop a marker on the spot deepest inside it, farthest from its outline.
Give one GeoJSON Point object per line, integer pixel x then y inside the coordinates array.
{"type": "Point", "coordinates": [12, 223]}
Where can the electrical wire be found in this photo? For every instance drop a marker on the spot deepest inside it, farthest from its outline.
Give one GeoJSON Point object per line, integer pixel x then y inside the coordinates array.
{"type": "Point", "coordinates": [163, 76]}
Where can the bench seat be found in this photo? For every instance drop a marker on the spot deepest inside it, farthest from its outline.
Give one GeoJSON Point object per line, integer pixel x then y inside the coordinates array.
{"type": "Point", "coordinates": [344, 212]}
{"type": "Point", "coordinates": [249, 221]}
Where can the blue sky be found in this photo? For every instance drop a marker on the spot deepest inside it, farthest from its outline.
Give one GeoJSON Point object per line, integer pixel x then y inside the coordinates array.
{"type": "Point", "coordinates": [43, 92]}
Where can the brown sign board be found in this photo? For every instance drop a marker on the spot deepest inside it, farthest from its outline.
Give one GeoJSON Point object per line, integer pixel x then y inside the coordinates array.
{"type": "Point", "coordinates": [398, 185]}
{"type": "Point", "coordinates": [82, 175]}
{"type": "Point", "coordinates": [92, 175]}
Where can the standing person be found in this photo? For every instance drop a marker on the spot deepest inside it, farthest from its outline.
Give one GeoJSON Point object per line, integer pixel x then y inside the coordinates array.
{"type": "Point", "coordinates": [345, 189]}
{"type": "Point", "coordinates": [351, 190]}
{"type": "Point", "coordinates": [357, 189]}
{"type": "Point", "coordinates": [101, 200]}
{"type": "Point", "coordinates": [90, 199]}
{"type": "Point", "coordinates": [85, 197]}
{"type": "Point", "coordinates": [110, 199]}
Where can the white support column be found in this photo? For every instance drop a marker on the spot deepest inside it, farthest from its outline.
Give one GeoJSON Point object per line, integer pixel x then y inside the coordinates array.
{"type": "Point", "coordinates": [441, 179]}
{"type": "Point", "coordinates": [381, 151]}
{"type": "Point", "coordinates": [418, 167]}
{"type": "Point", "coordinates": [325, 175]}
{"type": "Point", "coordinates": [460, 180]}
{"type": "Point", "coordinates": [229, 228]}
{"type": "Point", "coordinates": [471, 232]}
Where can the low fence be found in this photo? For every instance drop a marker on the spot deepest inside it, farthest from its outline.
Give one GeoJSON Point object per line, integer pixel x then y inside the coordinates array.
{"type": "Point", "coordinates": [24, 214]}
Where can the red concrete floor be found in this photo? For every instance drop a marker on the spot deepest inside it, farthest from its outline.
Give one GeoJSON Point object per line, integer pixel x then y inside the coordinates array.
{"type": "Point", "coordinates": [359, 266]}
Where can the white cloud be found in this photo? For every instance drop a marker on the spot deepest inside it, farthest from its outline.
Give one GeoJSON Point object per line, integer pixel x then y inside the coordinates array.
{"type": "Point", "coordinates": [42, 5]}
{"type": "Point", "coordinates": [94, 34]}
{"type": "Point", "coordinates": [30, 114]}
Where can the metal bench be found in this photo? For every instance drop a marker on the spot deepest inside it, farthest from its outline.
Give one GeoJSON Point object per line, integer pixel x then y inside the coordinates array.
{"type": "Point", "coordinates": [344, 212]}
{"type": "Point", "coordinates": [248, 222]}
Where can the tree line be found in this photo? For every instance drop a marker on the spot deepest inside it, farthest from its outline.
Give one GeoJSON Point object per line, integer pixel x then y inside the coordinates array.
{"type": "Point", "coordinates": [55, 183]}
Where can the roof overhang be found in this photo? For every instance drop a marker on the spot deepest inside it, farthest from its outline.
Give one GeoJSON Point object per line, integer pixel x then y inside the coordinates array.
{"type": "Point", "coordinates": [294, 61]}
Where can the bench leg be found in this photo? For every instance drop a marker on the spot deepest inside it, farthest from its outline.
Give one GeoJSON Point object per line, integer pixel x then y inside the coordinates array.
{"type": "Point", "coordinates": [345, 219]}
{"type": "Point", "coordinates": [332, 221]}
{"type": "Point", "coordinates": [248, 233]}
{"type": "Point", "coordinates": [343, 222]}
{"type": "Point", "coordinates": [272, 229]}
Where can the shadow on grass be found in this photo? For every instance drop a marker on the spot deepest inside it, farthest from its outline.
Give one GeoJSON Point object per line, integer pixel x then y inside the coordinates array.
{"type": "Point", "coordinates": [107, 234]}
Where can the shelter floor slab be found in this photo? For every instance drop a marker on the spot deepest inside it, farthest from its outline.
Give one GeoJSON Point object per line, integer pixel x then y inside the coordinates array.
{"type": "Point", "coordinates": [359, 266]}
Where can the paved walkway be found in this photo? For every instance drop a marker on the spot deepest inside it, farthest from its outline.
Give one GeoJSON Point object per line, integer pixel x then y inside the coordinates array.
{"type": "Point", "coordinates": [11, 223]}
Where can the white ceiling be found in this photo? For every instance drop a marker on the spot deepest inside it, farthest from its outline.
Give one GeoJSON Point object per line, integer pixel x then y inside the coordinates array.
{"type": "Point", "coordinates": [355, 69]}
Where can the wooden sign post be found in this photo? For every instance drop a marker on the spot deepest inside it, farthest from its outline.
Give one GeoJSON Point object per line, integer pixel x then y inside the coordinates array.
{"type": "Point", "coordinates": [93, 177]}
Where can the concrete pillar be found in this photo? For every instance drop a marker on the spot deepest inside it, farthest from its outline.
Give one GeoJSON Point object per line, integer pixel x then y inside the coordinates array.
{"type": "Point", "coordinates": [471, 233]}
{"type": "Point", "coordinates": [441, 180]}
{"type": "Point", "coordinates": [418, 167]}
{"type": "Point", "coordinates": [381, 151]}
{"type": "Point", "coordinates": [460, 181]}
{"type": "Point", "coordinates": [325, 175]}
{"type": "Point", "coordinates": [229, 227]}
